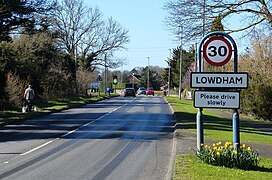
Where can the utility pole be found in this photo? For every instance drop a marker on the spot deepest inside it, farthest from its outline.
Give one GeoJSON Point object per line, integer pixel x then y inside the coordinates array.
{"type": "Point", "coordinates": [199, 120]}
{"type": "Point", "coordinates": [147, 72]}
{"type": "Point", "coordinates": [204, 18]}
{"type": "Point", "coordinates": [203, 28]}
{"type": "Point", "coordinates": [105, 75]}
{"type": "Point", "coordinates": [169, 72]}
{"type": "Point", "coordinates": [180, 65]}
{"type": "Point", "coordinates": [195, 67]}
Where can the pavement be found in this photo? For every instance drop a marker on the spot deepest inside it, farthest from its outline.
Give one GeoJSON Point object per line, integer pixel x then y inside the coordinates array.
{"type": "Point", "coordinates": [186, 141]}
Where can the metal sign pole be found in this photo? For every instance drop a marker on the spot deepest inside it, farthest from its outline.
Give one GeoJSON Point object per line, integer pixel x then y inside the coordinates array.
{"type": "Point", "coordinates": [199, 121]}
{"type": "Point", "coordinates": [235, 117]}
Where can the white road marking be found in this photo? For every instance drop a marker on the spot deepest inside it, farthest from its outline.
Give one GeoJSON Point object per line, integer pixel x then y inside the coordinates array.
{"type": "Point", "coordinates": [70, 132]}
{"type": "Point", "coordinates": [36, 148]}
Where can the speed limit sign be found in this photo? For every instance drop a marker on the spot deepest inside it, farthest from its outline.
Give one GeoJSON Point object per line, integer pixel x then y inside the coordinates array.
{"type": "Point", "coordinates": [217, 51]}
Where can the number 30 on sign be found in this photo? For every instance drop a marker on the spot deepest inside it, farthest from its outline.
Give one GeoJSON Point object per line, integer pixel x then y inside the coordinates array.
{"type": "Point", "coordinates": [217, 51]}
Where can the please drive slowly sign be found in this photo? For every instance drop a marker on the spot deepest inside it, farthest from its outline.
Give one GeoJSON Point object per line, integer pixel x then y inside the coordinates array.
{"type": "Point", "coordinates": [216, 99]}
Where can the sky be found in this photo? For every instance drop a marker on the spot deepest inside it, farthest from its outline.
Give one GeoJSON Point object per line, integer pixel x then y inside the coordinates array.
{"type": "Point", "coordinates": [148, 33]}
{"type": "Point", "coordinates": [149, 37]}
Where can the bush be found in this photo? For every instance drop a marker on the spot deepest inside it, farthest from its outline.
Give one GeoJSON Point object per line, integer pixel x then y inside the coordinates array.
{"type": "Point", "coordinates": [56, 85]}
{"type": "Point", "coordinates": [83, 79]}
{"type": "Point", "coordinates": [15, 87]}
{"type": "Point", "coordinates": [226, 156]}
{"type": "Point", "coordinates": [257, 99]}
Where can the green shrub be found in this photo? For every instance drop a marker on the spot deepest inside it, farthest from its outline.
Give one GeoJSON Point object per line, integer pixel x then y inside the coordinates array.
{"type": "Point", "coordinates": [257, 99]}
{"type": "Point", "coordinates": [225, 155]}
{"type": "Point", "coordinates": [15, 87]}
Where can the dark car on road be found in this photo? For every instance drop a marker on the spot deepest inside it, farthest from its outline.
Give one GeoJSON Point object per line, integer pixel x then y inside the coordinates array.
{"type": "Point", "coordinates": [150, 91]}
{"type": "Point", "coordinates": [129, 92]}
{"type": "Point", "coordinates": [141, 90]}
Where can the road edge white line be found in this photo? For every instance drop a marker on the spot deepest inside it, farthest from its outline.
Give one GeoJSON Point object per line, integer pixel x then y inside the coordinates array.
{"type": "Point", "coordinates": [171, 166]}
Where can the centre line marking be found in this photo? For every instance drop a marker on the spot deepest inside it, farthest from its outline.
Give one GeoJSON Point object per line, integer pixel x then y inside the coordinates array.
{"type": "Point", "coordinates": [70, 132]}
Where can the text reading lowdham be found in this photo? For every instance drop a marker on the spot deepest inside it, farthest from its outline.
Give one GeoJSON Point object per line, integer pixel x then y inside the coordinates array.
{"type": "Point", "coordinates": [219, 80]}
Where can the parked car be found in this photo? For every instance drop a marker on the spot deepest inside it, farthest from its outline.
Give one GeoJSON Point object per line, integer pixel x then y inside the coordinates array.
{"type": "Point", "coordinates": [129, 92]}
{"type": "Point", "coordinates": [141, 90]}
{"type": "Point", "coordinates": [150, 91]}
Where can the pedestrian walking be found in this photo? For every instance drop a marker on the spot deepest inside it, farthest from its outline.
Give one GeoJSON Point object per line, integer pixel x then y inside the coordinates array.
{"type": "Point", "coordinates": [108, 92]}
{"type": "Point", "coordinates": [29, 97]}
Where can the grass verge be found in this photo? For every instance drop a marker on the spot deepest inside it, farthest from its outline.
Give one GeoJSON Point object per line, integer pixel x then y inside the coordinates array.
{"type": "Point", "coordinates": [188, 167]}
{"type": "Point", "coordinates": [216, 128]}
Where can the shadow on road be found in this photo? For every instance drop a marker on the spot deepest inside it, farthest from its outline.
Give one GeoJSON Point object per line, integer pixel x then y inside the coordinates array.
{"type": "Point", "coordinates": [142, 125]}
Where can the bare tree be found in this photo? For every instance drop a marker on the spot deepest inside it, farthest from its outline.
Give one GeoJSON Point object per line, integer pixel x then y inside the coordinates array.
{"type": "Point", "coordinates": [197, 16]}
{"type": "Point", "coordinates": [84, 33]}
{"type": "Point", "coordinates": [74, 22]}
{"type": "Point", "coordinates": [112, 38]}
{"type": "Point", "coordinates": [17, 13]}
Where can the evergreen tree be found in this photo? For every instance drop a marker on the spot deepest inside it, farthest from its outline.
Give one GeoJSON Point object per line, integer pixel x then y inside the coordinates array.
{"type": "Point", "coordinates": [16, 13]}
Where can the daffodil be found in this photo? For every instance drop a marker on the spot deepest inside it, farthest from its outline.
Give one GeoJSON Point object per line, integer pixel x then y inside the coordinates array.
{"type": "Point", "coordinates": [235, 152]}
{"type": "Point", "coordinates": [249, 149]}
{"type": "Point", "coordinates": [217, 153]}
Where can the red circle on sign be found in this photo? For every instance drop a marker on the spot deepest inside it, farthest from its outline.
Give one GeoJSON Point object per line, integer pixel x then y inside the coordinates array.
{"type": "Point", "coordinates": [217, 51]}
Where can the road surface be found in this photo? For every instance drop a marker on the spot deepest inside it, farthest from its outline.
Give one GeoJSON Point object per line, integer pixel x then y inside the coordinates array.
{"type": "Point", "coordinates": [121, 138]}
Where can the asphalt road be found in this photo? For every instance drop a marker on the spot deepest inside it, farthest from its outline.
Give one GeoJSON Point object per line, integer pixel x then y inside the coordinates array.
{"type": "Point", "coordinates": [121, 138]}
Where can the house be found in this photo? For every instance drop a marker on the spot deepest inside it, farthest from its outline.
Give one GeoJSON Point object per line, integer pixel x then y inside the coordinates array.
{"type": "Point", "coordinates": [133, 79]}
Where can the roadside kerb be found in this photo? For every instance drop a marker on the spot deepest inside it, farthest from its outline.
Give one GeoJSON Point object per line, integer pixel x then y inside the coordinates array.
{"type": "Point", "coordinates": [171, 166]}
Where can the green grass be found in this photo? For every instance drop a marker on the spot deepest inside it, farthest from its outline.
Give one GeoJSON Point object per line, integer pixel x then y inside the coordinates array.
{"type": "Point", "coordinates": [216, 128]}
{"type": "Point", "coordinates": [190, 167]}
{"type": "Point", "coordinates": [48, 107]}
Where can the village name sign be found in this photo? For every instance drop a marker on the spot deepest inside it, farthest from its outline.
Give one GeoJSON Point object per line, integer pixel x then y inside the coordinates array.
{"type": "Point", "coordinates": [218, 89]}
